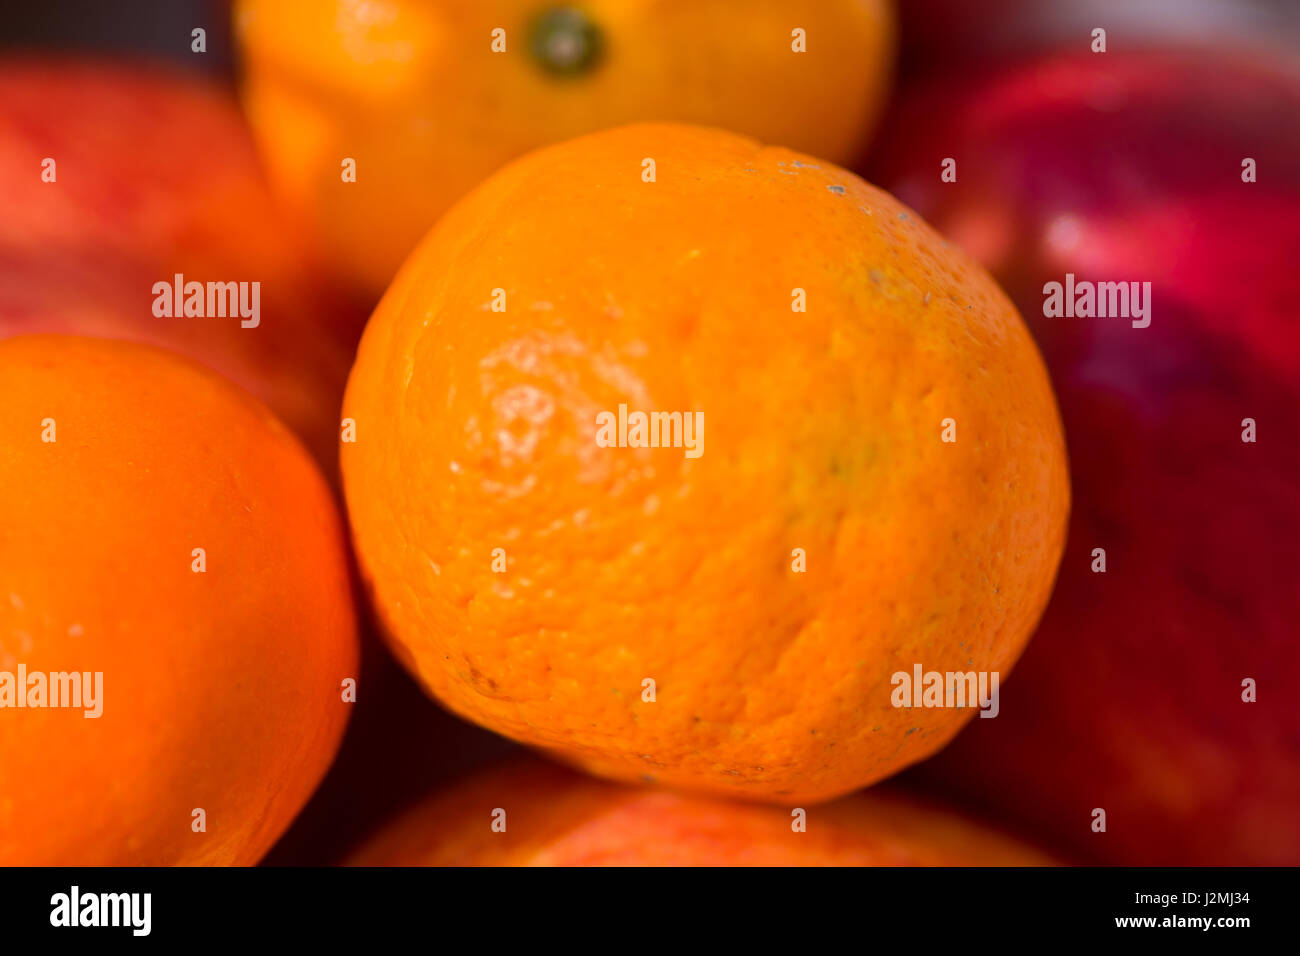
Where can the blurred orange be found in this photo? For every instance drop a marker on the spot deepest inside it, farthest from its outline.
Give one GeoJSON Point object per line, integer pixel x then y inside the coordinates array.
{"type": "Point", "coordinates": [161, 529]}
{"type": "Point", "coordinates": [414, 93]}
{"type": "Point", "coordinates": [534, 580]}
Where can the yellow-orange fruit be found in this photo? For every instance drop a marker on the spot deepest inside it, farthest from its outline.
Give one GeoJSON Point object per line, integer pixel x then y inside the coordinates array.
{"type": "Point", "coordinates": [167, 540]}
{"type": "Point", "coordinates": [879, 482]}
{"type": "Point", "coordinates": [429, 97]}
{"type": "Point", "coordinates": [532, 814]}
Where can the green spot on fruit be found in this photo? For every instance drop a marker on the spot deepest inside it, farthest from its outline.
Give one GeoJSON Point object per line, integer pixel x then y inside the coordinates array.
{"type": "Point", "coordinates": [565, 42]}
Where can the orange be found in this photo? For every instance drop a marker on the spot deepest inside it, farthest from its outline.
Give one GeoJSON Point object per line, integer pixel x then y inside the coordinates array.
{"type": "Point", "coordinates": [413, 92]}
{"type": "Point", "coordinates": [731, 621]}
{"type": "Point", "coordinates": [555, 818]}
{"type": "Point", "coordinates": [168, 540]}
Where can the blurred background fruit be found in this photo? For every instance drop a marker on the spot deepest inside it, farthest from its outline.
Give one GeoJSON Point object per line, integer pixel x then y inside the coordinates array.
{"type": "Point", "coordinates": [222, 681]}
{"type": "Point", "coordinates": [155, 175]}
{"type": "Point", "coordinates": [553, 817]}
{"type": "Point", "coordinates": [147, 30]}
{"type": "Point", "coordinates": [1129, 167]}
{"type": "Point", "coordinates": [960, 38]}
{"type": "Point", "coordinates": [413, 91]}
{"type": "Point", "coordinates": [399, 744]}
{"type": "Point", "coordinates": [823, 433]}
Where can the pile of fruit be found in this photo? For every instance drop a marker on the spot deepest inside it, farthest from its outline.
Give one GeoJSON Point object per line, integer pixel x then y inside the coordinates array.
{"type": "Point", "coordinates": [556, 366]}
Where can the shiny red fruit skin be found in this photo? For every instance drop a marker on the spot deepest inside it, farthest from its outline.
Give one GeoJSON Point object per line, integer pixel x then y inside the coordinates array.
{"type": "Point", "coordinates": [1129, 698]}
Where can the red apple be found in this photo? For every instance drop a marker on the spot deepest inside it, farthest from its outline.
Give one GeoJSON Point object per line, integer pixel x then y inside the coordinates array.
{"type": "Point", "coordinates": [1130, 697]}
{"type": "Point", "coordinates": [153, 174]}
{"type": "Point", "coordinates": [956, 35]}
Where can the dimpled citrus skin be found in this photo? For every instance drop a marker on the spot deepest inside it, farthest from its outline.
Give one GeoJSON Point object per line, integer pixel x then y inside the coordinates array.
{"type": "Point", "coordinates": [476, 431]}
{"type": "Point", "coordinates": [557, 818]}
{"type": "Point", "coordinates": [412, 90]}
{"type": "Point", "coordinates": [221, 689]}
